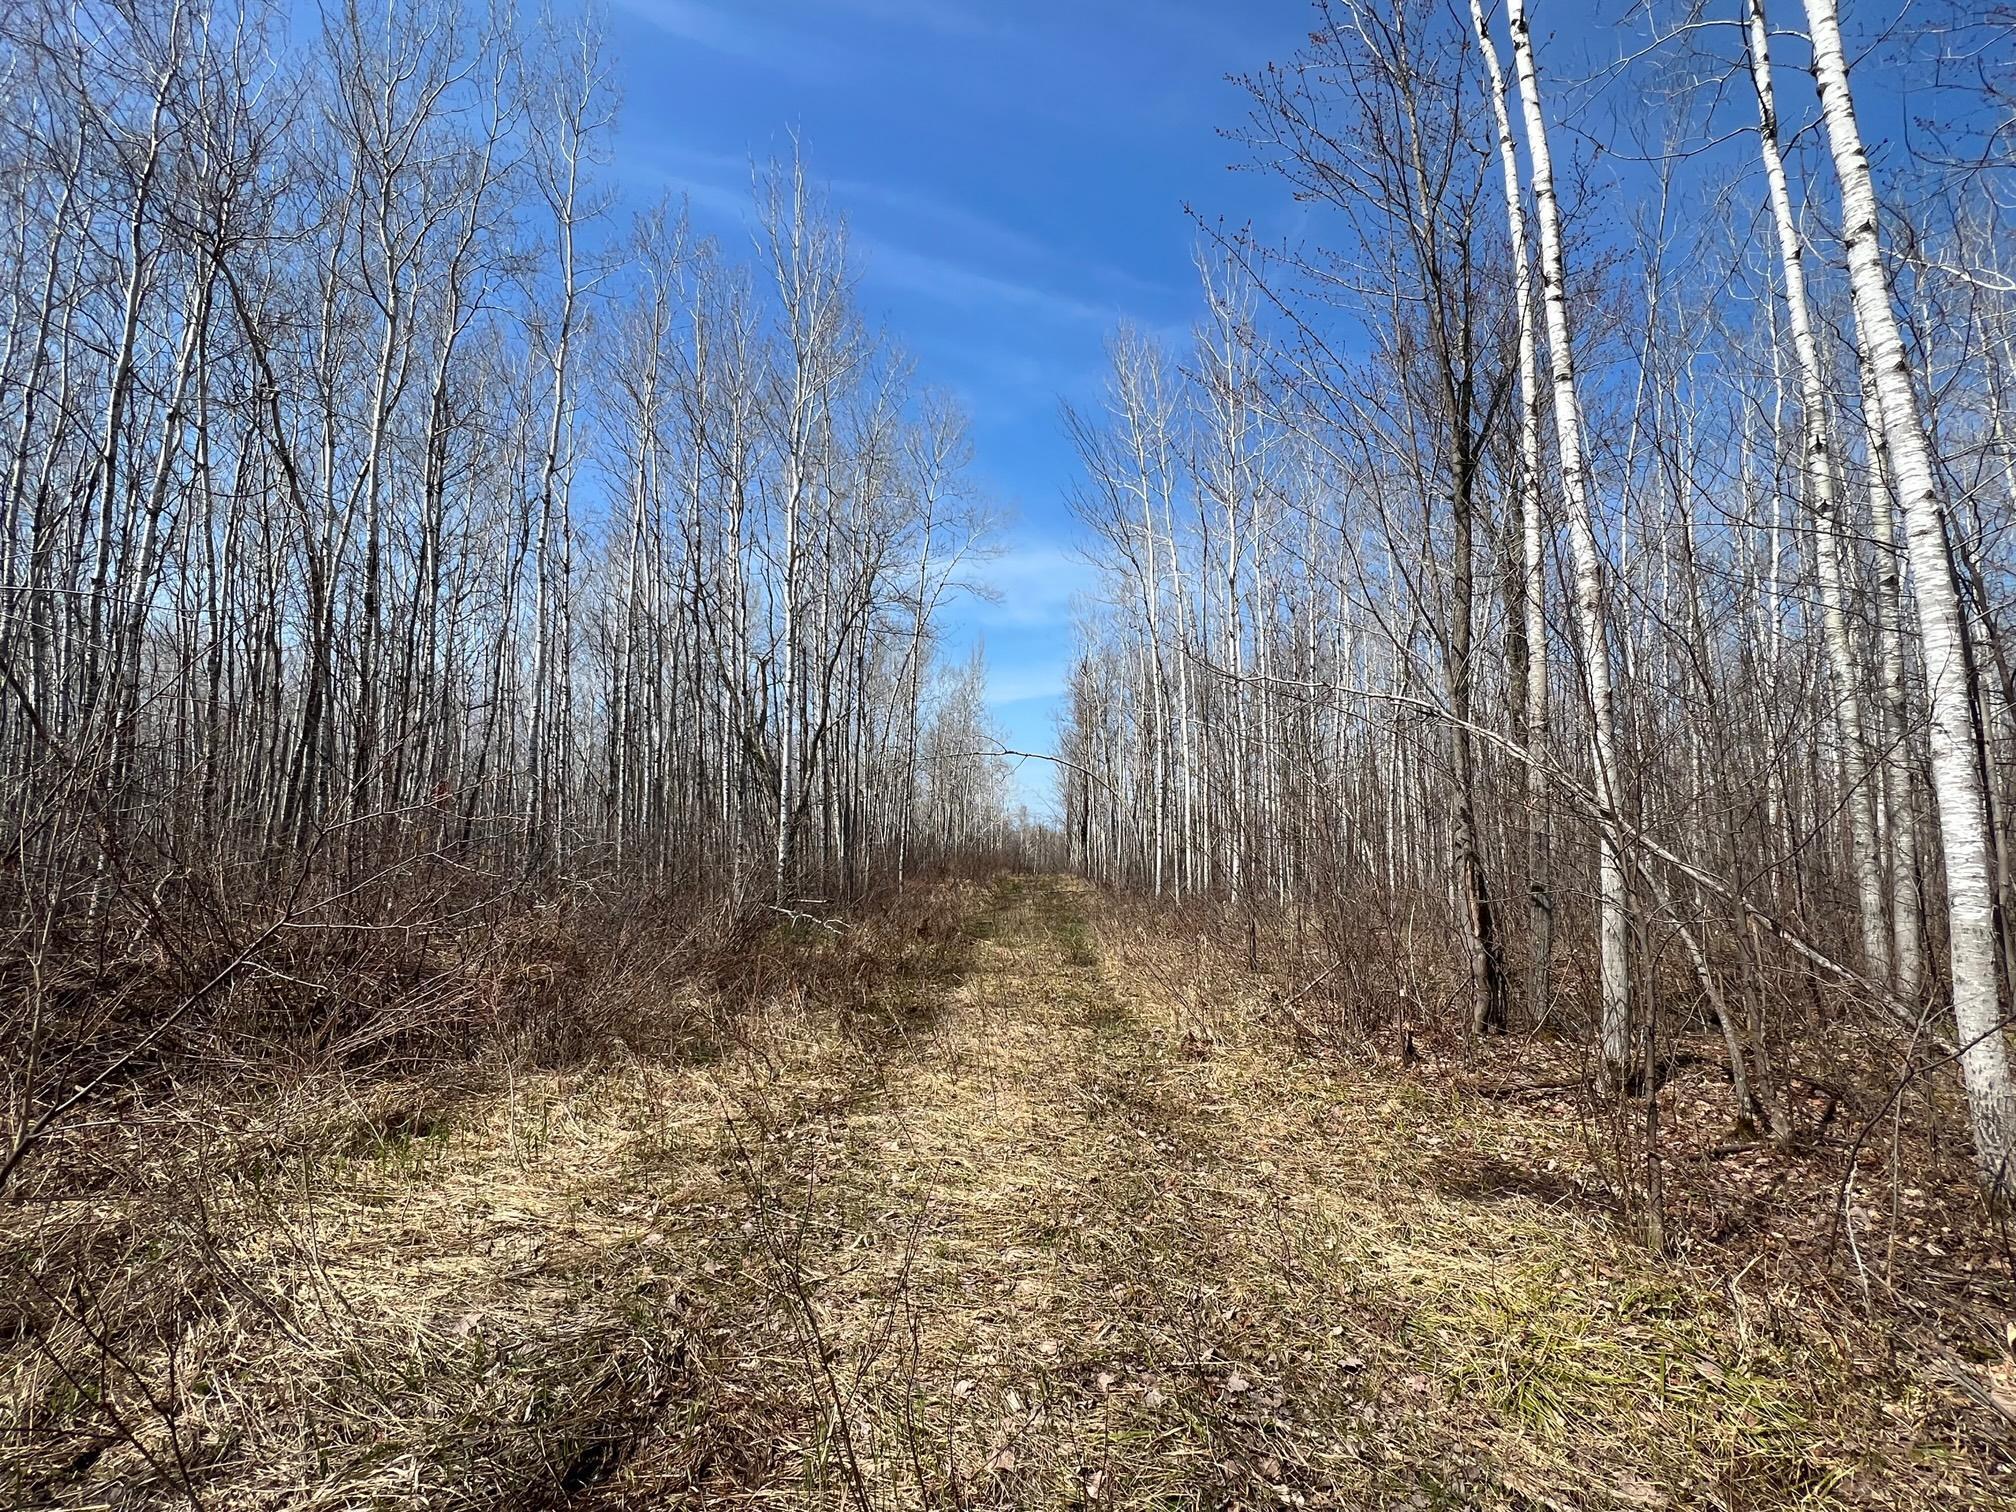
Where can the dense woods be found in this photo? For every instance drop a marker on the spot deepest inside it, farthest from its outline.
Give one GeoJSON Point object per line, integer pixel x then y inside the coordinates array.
{"type": "Point", "coordinates": [525, 976]}
{"type": "Point", "coordinates": [1619, 614]}
{"type": "Point", "coordinates": [390, 530]}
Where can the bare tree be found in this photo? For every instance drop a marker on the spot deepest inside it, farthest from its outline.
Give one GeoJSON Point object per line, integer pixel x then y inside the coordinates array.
{"type": "Point", "coordinates": [1957, 787]}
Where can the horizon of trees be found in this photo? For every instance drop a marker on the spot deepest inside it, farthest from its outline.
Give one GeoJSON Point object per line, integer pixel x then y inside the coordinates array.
{"type": "Point", "coordinates": [1620, 615]}
{"type": "Point", "coordinates": [391, 532]}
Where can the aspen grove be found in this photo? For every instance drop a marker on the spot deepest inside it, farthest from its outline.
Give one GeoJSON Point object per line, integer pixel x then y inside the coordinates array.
{"type": "Point", "coordinates": [679, 835]}
{"type": "Point", "coordinates": [1680, 698]}
{"type": "Point", "coordinates": [389, 528]}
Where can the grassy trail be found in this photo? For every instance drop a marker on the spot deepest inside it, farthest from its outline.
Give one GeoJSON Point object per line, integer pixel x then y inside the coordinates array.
{"type": "Point", "coordinates": [1054, 1248]}
{"type": "Point", "coordinates": [1008, 1232]}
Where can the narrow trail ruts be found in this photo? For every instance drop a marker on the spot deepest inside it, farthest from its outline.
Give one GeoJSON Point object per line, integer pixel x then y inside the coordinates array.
{"type": "Point", "coordinates": [1057, 1249]}
{"type": "Point", "coordinates": [1043, 1218]}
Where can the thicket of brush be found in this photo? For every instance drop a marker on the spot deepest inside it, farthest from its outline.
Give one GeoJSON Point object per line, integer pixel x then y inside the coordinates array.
{"type": "Point", "coordinates": [1858, 1172]}
{"type": "Point", "coordinates": [447, 638]}
{"type": "Point", "coordinates": [168, 1306]}
{"type": "Point", "coordinates": [396, 556]}
{"type": "Point", "coordinates": [1598, 584]}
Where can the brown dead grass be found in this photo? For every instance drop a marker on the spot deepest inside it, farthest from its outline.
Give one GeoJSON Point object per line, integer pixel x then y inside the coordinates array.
{"type": "Point", "coordinates": [1028, 1223]}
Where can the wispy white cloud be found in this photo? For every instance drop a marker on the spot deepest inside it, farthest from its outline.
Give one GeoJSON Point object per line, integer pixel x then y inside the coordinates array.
{"type": "Point", "coordinates": [732, 31]}
{"type": "Point", "coordinates": [976, 263]}
{"type": "Point", "coordinates": [949, 18]}
{"type": "Point", "coordinates": [1027, 682]}
{"type": "Point", "coordinates": [719, 186]}
{"type": "Point", "coordinates": [812, 38]}
{"type": "Point", "coordinates": [1037, 585]}
{"type": "Point", "coordinates": [948, 281]}
{"type": "Point", "coordinates": [942, 216]}
{"type": "Point", "coordinates": [699, 23]}
{"type": "Point", "coordinates": [945, 220]}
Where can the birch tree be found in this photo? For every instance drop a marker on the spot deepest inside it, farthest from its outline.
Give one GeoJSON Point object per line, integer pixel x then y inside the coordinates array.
{"type": "Point", "coordinates": [1958, 794]}
{"type": "Point", "coordinates": [1613, 877]}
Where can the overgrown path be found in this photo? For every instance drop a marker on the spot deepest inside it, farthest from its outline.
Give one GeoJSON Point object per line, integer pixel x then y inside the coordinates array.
{"type": "Point", "coordinates": [1013, 1227]}
{"type": "Point", "coordinates": [1044, 1240]}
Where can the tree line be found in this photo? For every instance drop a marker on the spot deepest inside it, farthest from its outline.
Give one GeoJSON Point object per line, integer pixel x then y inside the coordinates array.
{"type": "Point", "coordinates": [1608, 582]}
{"type": "Point", "coordinates": [390, 526]}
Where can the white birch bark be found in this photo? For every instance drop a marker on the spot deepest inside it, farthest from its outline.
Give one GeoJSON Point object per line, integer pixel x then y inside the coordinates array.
{"type": "Point", "coordinates": [1900, 786]}
{"type": "Point", "coordinates": [1533, 548]}
{"type": "Point", "coordinates": [1613, 902]}
{"type": "Point", "coordinates": [1956, 777]}
{"type": "Point", "coordinates": [1824, 498]}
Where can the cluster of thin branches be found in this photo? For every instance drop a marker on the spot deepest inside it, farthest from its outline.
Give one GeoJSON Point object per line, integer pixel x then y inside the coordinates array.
{"type": "Point", "coordinates": [375, 502]}
{"type": "Point", "coordinates": [1632, 605]}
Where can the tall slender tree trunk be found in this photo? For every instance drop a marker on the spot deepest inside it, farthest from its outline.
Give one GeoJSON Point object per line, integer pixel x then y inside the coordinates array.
{"type": "Point", "coordinates": [1956, 773]}
{"type": "Point", "coordinates": [1900, 780]}
{"type": "Point", "coordinates": [1613, 896]}
{"type": "Point", "coordinates": [1533, 557]}
{"type": "Point", "coordinates": [1824, 497]}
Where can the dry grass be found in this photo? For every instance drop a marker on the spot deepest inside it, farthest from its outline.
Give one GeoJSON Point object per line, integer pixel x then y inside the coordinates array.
{"type": "Point", "coordinates": [1016, 1218]}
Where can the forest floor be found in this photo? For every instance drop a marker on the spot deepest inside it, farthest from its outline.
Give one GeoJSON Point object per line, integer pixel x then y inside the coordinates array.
{"type": "Point", "coordinates": [1009, 1232]}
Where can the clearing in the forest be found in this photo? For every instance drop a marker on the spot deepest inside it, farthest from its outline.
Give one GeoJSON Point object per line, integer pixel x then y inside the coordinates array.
{"type": "Point", "coordinates": [1013, 1228]}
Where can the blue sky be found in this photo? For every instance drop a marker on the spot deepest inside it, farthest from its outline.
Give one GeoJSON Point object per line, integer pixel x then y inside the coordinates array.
{"type": "Point", "coordinates": [1013, 176]}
